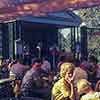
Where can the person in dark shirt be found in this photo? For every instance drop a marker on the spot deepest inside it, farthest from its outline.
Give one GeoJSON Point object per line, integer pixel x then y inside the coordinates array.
{"type": "Point", "coordinates": [32, 79]}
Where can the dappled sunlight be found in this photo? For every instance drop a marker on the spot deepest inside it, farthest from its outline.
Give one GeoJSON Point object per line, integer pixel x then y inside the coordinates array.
{"type": "Point", "coordinates": [41, 7]}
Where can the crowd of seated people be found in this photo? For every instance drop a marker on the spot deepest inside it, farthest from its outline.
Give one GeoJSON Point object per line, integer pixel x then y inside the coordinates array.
{"type": "Point", "coordinates": [86, 72]}
{"type": "Point", "coordinates": [72, 79]}
{"type": "Point", "coordinates": [29, 80]}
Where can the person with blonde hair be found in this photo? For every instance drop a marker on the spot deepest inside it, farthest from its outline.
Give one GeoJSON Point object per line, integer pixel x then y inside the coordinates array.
{"type": "Point", "coordinates": [63, 89]}
{"type": "Point", "coordinates": [84, 87]}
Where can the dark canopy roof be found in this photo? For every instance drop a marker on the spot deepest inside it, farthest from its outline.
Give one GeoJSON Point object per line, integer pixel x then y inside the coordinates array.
{"type": "Point", "coordinates": [59, 19]}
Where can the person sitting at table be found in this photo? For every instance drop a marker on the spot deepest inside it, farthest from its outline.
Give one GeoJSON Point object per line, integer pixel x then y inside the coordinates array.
{"type": "Point", "coordinates": [19, 69]}
{"type": "Point", "coordinates": [63, 89]}
{"type": "Point", "coordinates": [32, 78]}
{"type": "Point", "coordinates": [46, 66]}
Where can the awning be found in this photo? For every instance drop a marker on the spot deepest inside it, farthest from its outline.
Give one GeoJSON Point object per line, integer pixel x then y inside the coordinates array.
{"type": "Point", "coordinates": [10, 9]}
{"type": "Point", "coordinates": [58, 19]}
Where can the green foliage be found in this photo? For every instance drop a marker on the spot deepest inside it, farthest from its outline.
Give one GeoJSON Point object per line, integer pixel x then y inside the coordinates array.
{"type": "Point", "coordinates": [91, 17]}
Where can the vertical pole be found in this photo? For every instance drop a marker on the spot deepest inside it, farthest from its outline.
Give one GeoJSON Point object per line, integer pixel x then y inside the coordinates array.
{"type": "Point", "coordinates": [15, 32]}
{"type": "Point", "coordinates": [39, 52]}
{"type": "Point", "coordinates": [19, 39]}
{"type": "Point", "coordinates": [78, 34]}
{"type": "Point", "coordinates": [78, 43]}
{"type": "Point", "coordinates": [5, 44]}
{"type": "Point", "coordinates": [10, 31]}
{"type": "Point", "coordinates": [59, 39]}
{"type": "Point", "coordinates": [71, 39]}
{"type": "Point", "coordinates": [1, 37]}
{"type": "Point", "coordinates": [84, 44]}
{"type": "Point", "coordinates": [74, 42]}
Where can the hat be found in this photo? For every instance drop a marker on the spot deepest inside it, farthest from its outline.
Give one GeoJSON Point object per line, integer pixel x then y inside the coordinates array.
{"type": "Point", "coordinates": [65, 67]}
{"type": "Point", "coordinates": [82, 85]}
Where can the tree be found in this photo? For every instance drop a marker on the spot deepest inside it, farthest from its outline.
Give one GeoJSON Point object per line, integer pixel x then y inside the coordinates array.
{"type": "Point", "coordinates": [91, 16]}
